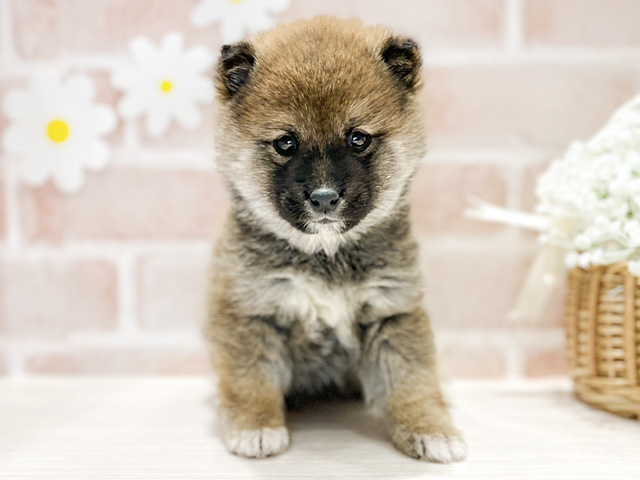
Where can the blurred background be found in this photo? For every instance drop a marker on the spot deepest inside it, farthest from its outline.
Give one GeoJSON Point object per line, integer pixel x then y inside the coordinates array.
{"type": "Point", "coordinates": [112, 279]}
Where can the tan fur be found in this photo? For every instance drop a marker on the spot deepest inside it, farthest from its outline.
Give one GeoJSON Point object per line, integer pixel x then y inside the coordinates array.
{"type": "Point", "coordinates": [294, 313]}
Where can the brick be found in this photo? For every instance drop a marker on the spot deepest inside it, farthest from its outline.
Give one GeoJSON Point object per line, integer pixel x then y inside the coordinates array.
{"type": "Point", "coordinates": [127, 204]}
{"type": "Point", "coordinates": [464, 359]}
{"type": "Point", "coordinates": [138, 360]}
{"type": "Point", "coordinates": [542, 107]}
{"type": "Point", "coordinates": [5, 86]}
{"type": "Point", "coordinates": [582, 22]}
{"type": "Point", "coordinates": [54, 298]}
{"type": "Point", "coordinates": [440, 194]}
{"type": "Point", "coordinates": [172, 291]}
{"type": "Point", "coordinates": [45, 28]}
{"type": "Point", "coordinates": [546, 363]}
{"type": "Point", "coordinates": [473, 285]}
{"type": "Point", "coordinates": [3, 216]}
{"type": "Point", "coordinates": [554, 313]}
{"type": "Point", "coordinates": [531, 176]}
{"type": "Point", "coordinates": [3, 359]}
{"type": "Point", "coordinates": [434, 23]}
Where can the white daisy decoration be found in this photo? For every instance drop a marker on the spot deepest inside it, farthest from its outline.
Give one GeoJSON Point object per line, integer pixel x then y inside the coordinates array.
{"type": "Point", "coordinates": [56, 130]}
{"type": "Point", "coordinates": [165, 83]}
{"type": "Point", "coordinates": [237, 17]}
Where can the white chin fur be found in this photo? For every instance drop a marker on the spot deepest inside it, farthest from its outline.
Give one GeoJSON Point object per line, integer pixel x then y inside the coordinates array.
{"type": "Point", "coordinates": [440, 449]}
{"type": "Point", "coordinates": [259, 443]}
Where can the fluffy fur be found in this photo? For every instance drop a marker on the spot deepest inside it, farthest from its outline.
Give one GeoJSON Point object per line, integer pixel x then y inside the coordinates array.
{"type": "Point", "coordinates": [304, 303]}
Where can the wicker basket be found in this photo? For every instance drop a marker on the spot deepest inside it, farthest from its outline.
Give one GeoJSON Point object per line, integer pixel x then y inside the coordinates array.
{"type": "Point", "coordinates": [603, 338]}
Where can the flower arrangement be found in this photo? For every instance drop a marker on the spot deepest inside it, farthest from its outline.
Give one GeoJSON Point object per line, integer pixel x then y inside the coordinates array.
{"type": "Point", "coordinates": [588, 210]}
{"type": "Point", "coordinates": [57, 130]}
{"type": "Point", "coordinates": [592, 195]}
{"type": "Point", "coordinates": [165, 83]}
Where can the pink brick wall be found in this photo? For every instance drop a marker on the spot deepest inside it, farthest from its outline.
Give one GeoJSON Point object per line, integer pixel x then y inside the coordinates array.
{"type": "Point", "coordinates": [112, 279]}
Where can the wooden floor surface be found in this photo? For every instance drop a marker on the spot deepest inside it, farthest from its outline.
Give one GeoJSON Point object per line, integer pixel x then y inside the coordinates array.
{"type": "Point", "coordinates": [165, 428]}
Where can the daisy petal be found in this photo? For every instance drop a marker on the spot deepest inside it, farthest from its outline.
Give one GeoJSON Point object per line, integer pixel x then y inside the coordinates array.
{"type": "Point", "coordinates": [202, 90]}
{"type": "Point", "coordinates": [45, 86]}
{"type": "Point", "coordinates": [157, 123]}
{"type": "Point", "coordinates": [172, 44]}
{"type": "Point", "coordinates": [69, 177]}
{"type": "Point", "coordinates": [16, 102]}
{"type": "Point", "coordinates": [206, 13]}
{"type": "Point", "coordinates": [17, 138]}
{"type": "Point", "coordinates": [143, 49]}
{"type": "Point", "coordinates": [276, 6]}
{"type": "Point", "coordinates": [98, 156]}
{"type": "Point", "coordinates": [258, 21]}
{"type": "Point", "coordinates": [189, 116]}
{"type": "Point", "coordinates": [123, 79]}
{"type": "Point", "coordinates": [199, 59]}
{"type": "Point", "coordinates": [102, 119]}
{"type": "Point", "coordinates": [232, 30]}
{"type": "Point", "coordinates": [35, 169]}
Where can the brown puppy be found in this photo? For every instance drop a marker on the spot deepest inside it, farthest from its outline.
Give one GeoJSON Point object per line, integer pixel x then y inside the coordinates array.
{"type": "Point", "coordinates": [315, 279]}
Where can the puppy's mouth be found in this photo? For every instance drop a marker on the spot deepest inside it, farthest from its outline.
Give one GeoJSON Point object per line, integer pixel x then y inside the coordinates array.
{"type": "Point", "coordinates": [325, 221]}
{"type": "Point", "coordinates": [324, 225]}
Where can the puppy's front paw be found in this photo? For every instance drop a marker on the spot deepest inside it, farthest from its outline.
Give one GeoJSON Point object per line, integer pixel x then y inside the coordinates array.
{"type": "Point", "coordinates": [436, 448]}
{"type": "Point", "coordinates": [258, 443]}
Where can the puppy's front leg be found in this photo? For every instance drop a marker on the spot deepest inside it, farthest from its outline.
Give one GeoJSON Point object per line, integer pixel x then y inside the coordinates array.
{"type": "Point", "coordinates": [398, 373]}
{"type": "Point", "coordinates": [250, 364]}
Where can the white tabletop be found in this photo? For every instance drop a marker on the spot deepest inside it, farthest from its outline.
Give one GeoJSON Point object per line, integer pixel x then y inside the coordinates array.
{"type": "Point", "coordinates": [165, 428]}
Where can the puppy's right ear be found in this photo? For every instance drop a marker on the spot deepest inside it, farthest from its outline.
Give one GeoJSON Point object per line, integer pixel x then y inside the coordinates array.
{"type": "Point", "coordinates": [234, 68]}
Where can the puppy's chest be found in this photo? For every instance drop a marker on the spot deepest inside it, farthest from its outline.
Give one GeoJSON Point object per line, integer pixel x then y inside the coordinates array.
{"type": "Point", "coordinates": [317, 310]}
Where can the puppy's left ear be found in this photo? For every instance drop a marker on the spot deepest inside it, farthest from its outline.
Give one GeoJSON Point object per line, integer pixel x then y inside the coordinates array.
{"type": "Point", "coordinates": [234, 68]}
{"type": "Point", "coordinates": [402, 57]}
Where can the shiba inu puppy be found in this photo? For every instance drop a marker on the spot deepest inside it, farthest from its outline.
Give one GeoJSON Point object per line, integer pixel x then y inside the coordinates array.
{"type": "Point", "coordinates": [315, 283]}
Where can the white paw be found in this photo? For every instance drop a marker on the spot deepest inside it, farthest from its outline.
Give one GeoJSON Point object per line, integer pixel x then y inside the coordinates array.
{"type": "Point", "coordinates": [259, 443]}
{"type": "Point", "coordinates": [438, 448]}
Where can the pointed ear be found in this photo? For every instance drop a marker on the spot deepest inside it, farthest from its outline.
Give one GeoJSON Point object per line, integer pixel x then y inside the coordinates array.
{"type": "Point", "coordinates": [402, 57]}
{"type": "Point", "coordinates": [234, 68]}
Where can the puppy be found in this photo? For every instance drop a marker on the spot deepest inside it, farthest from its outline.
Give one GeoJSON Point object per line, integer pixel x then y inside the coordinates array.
{"type": "Point", "coordinates": [315, 279]}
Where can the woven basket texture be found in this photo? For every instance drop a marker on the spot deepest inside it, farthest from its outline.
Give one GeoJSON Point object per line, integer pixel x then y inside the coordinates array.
{"type": "Point", "coordinates": [603, 337]}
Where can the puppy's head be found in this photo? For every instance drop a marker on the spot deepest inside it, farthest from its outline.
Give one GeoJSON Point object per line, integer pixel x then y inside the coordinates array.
{"type": "Point", "coordinates": [319, 127]}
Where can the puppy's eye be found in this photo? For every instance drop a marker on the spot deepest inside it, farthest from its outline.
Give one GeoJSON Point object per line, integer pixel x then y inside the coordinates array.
{"type": "Point", "coordinates": [286, 145]}
{"type": "Point", "coordinates": [358, 141]}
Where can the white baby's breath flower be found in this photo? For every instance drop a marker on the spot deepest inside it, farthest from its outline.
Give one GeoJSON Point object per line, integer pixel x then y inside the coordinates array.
{"type": "Point", "coordinates": [594, 190]}
{"type": "Point", "coordinates": [634, 267]}
{"type": "Point", "coordinates": [237, 17]}
{"type": "Point", "coordinates": [165, 83]}
{"type": "Point", "coordinates": [57, 130]}
{"type": "Point", "coordinates": [582, 242]}
{"type": "Point", "coordinates": [571, 260]}
{"type": "Point", "coordinates": [584, 260]}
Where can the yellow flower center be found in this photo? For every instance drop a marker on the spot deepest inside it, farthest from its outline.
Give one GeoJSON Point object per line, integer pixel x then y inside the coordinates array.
{"type": "Point", "coordinates": [166, 86]}
{"type": "Point", "coordinates": [57, 131]}
{"type": "Point", "coordinates": [236, 1]}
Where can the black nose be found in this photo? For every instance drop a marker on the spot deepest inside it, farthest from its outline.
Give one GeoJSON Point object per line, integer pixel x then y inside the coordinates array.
{"type": "Point", "coordinates": [324, 200]}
